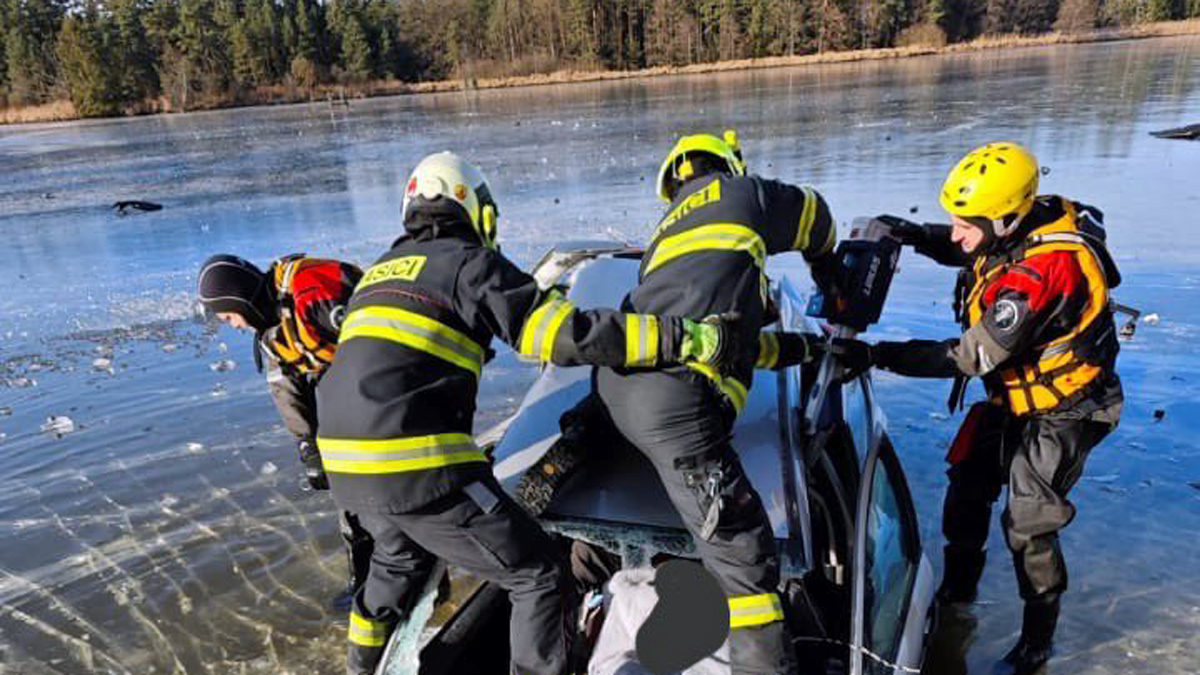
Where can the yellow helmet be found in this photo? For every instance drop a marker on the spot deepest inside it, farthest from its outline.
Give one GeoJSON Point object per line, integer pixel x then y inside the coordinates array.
{"type": "Point", "coordinates": [997, 182]}
{"type": "Point", "coordinates": [677, 167]}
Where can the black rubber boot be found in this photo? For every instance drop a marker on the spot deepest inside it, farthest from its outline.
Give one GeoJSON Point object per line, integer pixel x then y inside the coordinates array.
{"type": "Point", "coordinates": [960, 581]}
{"type": "Point", "coordinates": [1036, 643]}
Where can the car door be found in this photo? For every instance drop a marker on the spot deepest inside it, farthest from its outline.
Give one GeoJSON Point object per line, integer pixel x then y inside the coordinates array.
{"type": "Point", "coordinates": [888, 568]}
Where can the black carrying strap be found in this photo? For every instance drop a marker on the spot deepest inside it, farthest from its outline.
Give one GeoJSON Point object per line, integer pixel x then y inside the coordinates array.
{"type": "Point", "coordinates": [958, 392]}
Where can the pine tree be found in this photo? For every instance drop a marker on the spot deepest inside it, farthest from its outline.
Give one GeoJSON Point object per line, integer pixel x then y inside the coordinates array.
{"type": "Point", "coordinates": [133, 53]}
{"type": "Point", "coordinates": [357, 54]}
{"type": "Point", "coordinates": [202, 38]}
{"type": "Point", "coordinates": [32, 67]}
{"type": "Point", "coordinates": [3, 60]}
{"type": "Point", "coordinates": [85, 59]}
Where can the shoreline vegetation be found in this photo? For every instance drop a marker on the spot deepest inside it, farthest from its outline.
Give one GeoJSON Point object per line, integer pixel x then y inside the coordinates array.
{"type": "Point", "coordinates": [62, 109]}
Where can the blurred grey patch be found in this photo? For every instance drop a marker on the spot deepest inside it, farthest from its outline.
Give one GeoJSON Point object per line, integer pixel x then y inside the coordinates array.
{"type": "Point", "coordinates": [690, 621]}
{"type": "Point", "coordinates": [483, 496]}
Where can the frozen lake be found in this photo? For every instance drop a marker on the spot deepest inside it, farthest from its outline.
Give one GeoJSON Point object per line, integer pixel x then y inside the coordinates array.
{"type": "Point", "coordinates": [167, 532]}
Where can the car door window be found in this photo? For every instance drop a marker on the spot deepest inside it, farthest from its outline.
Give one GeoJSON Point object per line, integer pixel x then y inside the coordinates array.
{"type": "Point", "coordinates": [892, 554]}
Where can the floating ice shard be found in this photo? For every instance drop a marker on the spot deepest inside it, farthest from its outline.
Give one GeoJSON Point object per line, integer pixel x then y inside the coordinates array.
{"type": "Point", "coordinates": [195, 447]}
{"type": "Point", "coordinates": [222, 366]}
{"type": "Point", "coordinates": [103, 364]}
{"type": "Point", "coordinates": [59, 425]}
{"type": "Point", "coordinates": [1151, 319]}
{"type": "Point", "coordinates": [268, 468]}
{"type": "Point", "coordinates": [170, 347]}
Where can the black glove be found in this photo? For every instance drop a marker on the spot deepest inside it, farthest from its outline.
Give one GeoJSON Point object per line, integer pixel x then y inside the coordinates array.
{"type": "Point", "coordinates": [855, 356]}
{"type": "Point", "coordinates": [311, 459]}
{"type": "Point", "coordinates": [905, 231]}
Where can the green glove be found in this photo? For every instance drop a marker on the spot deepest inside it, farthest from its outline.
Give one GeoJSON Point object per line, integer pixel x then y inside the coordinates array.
{"type": "Point", "coordinates": [713, 342]}
{"type": "Point", "coordinates": [701, 341]}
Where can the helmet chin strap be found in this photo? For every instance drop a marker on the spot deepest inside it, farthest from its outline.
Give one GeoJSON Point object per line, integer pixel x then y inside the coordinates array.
{"type": "Point", "coordinates": [1003, 228]}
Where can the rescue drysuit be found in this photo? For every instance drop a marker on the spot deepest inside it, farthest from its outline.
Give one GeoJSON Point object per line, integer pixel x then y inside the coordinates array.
{"type": "Point", "coordinates": [296, 308]}
{"type": "Point", "coordinates": [396, 412]}
{"type": "Point", "coordinates": [708, 256]}
{"type": "Point", "coordinates": [1039, 329]}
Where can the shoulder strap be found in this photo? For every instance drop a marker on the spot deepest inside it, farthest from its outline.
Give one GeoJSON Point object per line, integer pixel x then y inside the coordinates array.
{"type": "Point", "coordinates": [285, 272]}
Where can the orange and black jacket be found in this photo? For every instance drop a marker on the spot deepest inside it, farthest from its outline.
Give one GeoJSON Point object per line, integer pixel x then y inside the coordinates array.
{"type": "Point", "coordinates": [1037, 320]}
{"type": "Point", "coordinates": [709, 253]}
{"type": "Point", "coordinates": [310, 295]}
{"type": "Point", "coordinates": [396, 408]}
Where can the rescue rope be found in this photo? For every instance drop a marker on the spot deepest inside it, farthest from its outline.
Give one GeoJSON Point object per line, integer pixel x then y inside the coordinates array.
{"type": "Point", "coordinates": [865, 652]}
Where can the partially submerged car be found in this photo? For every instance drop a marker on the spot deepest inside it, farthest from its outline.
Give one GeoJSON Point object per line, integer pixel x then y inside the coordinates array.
{"type": "Point", "coordinates": [857, 585]}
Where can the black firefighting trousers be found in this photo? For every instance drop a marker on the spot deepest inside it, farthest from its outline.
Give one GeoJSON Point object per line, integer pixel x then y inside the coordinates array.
{"type": "Point", "coordinates": [1039, 458]}
{"type": "Point", "coordinates": [683, 425]}
{"type": "Point", "coordinates": [483, 532]}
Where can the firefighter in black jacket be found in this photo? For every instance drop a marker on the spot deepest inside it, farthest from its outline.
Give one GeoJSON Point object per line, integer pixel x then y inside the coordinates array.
{"type": "Point", "coordinates": [295, 309]}
{"type": "Point", "coordinates": [708, 257]}
{"type": "Point", "coordinates": [397, 406]}
{"type": "Point", "coordinates": [1033, 300]}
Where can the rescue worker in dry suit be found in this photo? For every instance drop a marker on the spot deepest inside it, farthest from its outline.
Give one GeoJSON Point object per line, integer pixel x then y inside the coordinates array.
{"type": "Point", "coordinates": [708, 257]}
{"type": "Point", "coordinates": [397, 406]}
{"type": "Point", "coordinates": [1033, 300]}
{"type": "Point", "coordinates": [295, 309]}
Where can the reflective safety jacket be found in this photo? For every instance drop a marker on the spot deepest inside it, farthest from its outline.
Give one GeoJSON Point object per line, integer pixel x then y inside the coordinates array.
{"type": "Point", "coordinates": [1045, 302]}
{"type": "Point", "coordinates": [709, 253]}
{"type": "Point", "coordinates": [396, 408]}
{"type": "Point", "coordinates": [312, 294]}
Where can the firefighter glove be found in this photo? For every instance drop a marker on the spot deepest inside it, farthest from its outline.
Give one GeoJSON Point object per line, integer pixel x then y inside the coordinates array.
{"type": "Point", "coordinates": [714, 342]}
{"type": "Point", "coordinates": [905, 231]}
{"type": "Point", "coordinates": [855, 356]}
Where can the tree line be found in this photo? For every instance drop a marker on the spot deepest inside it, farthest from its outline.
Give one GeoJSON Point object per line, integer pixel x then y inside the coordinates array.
{"type": "Point", "coordinates": [115, 56]}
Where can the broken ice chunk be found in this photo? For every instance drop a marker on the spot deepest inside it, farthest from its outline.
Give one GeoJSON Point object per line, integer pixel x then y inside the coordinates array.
{"type": "Point", "coordinates": [1151, 319]}
{"type": "Point", "coordinates": [195, 447]}
{"type": "Point", "coordinates": [222, 366]}
{"type": "Point", "coordinates": [59, 425]}
{"type": "Point", "coordinates": [268, 468]}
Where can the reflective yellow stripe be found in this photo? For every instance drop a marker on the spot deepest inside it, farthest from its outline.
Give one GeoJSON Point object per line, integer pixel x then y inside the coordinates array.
{"type": "Point", "coordinates": [734, 390]}
{"type": "Point", "coordinates": [397, 455]}
{"type": "Point", "coordinates": [542, 326]}
{"type": "Point", "coordinates": [641, 340]}
{"type": "Point", "coordinates": [366, 632]}
{"type": "Point", "coordinates": [754, 610]}
{"type": "Point", "coordinates": [807, 215]}
{"type": "Point", "coordinates": [720, 237]}
{"type": "Point", "coordinates": [416, 331]}
{"type": "Point", "coordinates": [768, 350]}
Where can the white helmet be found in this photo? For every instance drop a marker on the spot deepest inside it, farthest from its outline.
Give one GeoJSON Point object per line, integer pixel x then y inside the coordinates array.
{"type": "Point", "coordinates": [446, 175]}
